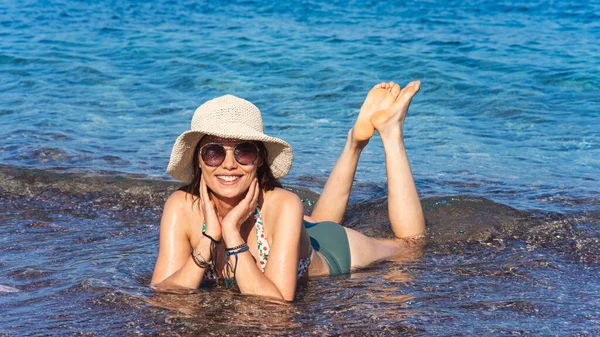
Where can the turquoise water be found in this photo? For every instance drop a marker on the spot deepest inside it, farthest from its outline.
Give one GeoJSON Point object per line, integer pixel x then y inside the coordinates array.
{"type": "Point", "coordinates": [509, 106]}
{"type": "Point", "coordinates": [509, 110]}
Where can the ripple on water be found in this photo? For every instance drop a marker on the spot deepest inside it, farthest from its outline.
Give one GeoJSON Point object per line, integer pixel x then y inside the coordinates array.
{"type": "Point", "coordinates": [340, 312]}
{"type": "Point", "coordinates": [44, 155]}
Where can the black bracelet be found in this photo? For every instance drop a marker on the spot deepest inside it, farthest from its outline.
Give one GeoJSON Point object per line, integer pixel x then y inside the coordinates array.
{"type": "Point", "coordinates": [213, 247]}
{"type": "Point", "coordinates": [236, 247]}
{"type": "Point", "coordinates": [211, 238]}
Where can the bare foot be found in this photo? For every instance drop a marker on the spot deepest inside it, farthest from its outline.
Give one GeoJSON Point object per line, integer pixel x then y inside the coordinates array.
{"type": "Point", "coordinates": [392, 118]}
{"type": "Point", "coordinates": [382, 96]}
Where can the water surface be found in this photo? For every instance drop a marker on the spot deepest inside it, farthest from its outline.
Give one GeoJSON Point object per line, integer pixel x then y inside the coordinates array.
{"type": "Point", "coordinates": [503, 141]}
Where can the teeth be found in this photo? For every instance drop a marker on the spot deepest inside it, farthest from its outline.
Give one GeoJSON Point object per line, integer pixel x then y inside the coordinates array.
{"type": "Point", "coordinates": [228, 178]}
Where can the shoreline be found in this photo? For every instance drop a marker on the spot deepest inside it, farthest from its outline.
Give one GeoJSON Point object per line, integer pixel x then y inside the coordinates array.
{"type": "Point", "coordinates": [449, 218]}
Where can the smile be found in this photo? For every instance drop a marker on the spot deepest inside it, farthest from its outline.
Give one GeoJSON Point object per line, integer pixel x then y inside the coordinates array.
{"type": "Point", "coordinates": [228, 178]}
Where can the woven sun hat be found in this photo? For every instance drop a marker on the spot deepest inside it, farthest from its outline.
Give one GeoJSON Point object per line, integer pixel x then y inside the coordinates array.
{"type": "Point", "coordinates": [227, 117]}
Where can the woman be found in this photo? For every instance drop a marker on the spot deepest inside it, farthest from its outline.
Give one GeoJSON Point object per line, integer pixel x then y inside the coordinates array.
{"type": "Point", "coordinates": [240, 225]}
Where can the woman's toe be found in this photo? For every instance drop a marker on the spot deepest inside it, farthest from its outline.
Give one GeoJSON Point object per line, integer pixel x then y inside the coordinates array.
{"type": "Point", "coordinates": [395, 90]}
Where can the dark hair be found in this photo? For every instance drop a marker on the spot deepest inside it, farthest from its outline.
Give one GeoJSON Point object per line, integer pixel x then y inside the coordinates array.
{"type": "Point", "coordinates": [266, 180]}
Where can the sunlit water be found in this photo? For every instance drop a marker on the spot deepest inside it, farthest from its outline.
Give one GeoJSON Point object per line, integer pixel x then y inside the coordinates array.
{"type": "Point", "coordinates": [503, 140]}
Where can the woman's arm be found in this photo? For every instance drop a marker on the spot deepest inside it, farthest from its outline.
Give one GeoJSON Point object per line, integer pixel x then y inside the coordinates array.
{"type": "Point", "coordinates": [174, 266]}
{"type": "Point", "coordinates": [280, 277]}
{"type": "Point", "coordinates": [282, 268]}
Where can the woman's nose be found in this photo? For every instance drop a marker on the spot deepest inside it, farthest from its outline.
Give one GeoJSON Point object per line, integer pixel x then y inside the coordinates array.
{"type": "Point", "coordinates": [229, 162]}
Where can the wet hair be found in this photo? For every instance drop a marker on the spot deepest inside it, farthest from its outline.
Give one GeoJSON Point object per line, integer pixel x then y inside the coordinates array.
{"type": "Point", "coordinates": [266, 180]}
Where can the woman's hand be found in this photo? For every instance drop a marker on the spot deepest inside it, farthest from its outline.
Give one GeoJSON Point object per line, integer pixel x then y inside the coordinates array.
{"type": "Point", "coordinates": [233, 221]}
{"type": "Point", "coordinates": [211, 220]}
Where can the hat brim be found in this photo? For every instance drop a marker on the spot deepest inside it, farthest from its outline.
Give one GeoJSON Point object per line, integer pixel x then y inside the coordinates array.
{"type": "Point", "coordinates": [280, 154]}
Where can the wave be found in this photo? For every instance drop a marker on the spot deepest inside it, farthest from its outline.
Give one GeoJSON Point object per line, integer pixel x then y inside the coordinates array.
{"type": "Point", "coordinates": [7, 289]}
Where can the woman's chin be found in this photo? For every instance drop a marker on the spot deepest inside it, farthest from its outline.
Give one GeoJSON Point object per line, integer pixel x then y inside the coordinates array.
{"type": "Point", "coordinates": [229, 192]}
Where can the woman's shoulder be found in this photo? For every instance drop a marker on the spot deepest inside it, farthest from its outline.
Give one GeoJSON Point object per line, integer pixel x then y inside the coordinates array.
{"type": "Point", "coordinates": [180, 212]}
{"type": "Point", "coordinates": [281, 205]}
{"type": "Point", "coordinates": [280, 197]}
{"type": "Point", "coordinates": [181, 202]}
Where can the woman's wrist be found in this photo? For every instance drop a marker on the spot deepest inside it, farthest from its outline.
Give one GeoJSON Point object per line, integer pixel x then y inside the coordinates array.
{"type": "Point", "coordinates": [203, 245]}
{"type": "Point", "coordinates": [211, 233]}
{"type": "Point", "coordinates": [200, 260]}
{"type": "Point", "coordinates": [214, 238]}
{"type": "Point", "coordinates": [232, 238]}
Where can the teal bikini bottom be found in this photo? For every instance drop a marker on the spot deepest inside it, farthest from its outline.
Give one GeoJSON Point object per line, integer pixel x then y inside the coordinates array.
{"type": "Point", "coordinates": [330, 239]}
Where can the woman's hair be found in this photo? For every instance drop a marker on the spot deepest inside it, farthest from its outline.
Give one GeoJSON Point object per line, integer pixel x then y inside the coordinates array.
{"type": "Point", "coordinates": [266, 181]}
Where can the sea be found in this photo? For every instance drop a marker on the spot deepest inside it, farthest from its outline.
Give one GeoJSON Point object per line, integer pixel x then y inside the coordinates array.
{"type": "Point", "coordinates": [503, 140]}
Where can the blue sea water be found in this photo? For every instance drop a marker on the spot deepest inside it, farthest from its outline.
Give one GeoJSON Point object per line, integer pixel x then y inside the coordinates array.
{"type": "Point", "coordinates": [509, 107]}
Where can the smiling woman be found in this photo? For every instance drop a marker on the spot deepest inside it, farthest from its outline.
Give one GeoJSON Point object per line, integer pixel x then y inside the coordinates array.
{"type": "Point", "coordinates": [233, 221]}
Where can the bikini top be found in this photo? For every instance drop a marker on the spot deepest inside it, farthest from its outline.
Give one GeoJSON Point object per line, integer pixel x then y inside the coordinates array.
{"type": "Point", "coordinates": [264, 249]}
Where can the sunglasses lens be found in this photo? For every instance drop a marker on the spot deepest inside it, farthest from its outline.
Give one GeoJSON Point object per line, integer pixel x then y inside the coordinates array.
{"type": "Point", "coordinates": [245, 153]}
{"type": "Point", "coordinates": [213, 154]}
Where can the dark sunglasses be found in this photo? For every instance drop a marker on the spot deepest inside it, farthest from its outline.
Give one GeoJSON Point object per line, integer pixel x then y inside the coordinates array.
{"type": "Point", "coordinates": [213, 154]}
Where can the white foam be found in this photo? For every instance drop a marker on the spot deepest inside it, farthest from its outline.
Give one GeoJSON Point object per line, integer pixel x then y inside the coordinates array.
{"type": "Point", "coordinates": [7, 289]}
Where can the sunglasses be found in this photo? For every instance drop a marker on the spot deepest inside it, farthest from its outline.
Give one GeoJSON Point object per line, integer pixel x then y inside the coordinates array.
{"type": "Point", "coordinates": [213, 154]}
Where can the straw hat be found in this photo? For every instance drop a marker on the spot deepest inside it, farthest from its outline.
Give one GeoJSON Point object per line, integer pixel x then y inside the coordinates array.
{"type": "Point", "coordinates": [227, 117]}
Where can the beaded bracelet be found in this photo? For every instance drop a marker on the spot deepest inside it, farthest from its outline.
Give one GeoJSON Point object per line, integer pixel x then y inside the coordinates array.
{"type": "Point", "coordinates": [200, 261]}
{"type": "Point", "coordinates": [236, 247]}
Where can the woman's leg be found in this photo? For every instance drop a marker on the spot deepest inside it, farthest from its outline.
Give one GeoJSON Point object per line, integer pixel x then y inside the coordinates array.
{"type": "Point", "coordinates": [336, 193]}
{"type": "Point", "coordinates": [404, 206]}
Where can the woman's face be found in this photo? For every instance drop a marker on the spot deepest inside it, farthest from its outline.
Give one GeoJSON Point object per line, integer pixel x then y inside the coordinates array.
{"type": "Point", "coordinates": [231, 178]}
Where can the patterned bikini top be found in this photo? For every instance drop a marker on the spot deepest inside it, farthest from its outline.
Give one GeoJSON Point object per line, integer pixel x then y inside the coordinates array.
{"type": "Point", "coordinates": [264, 249]}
